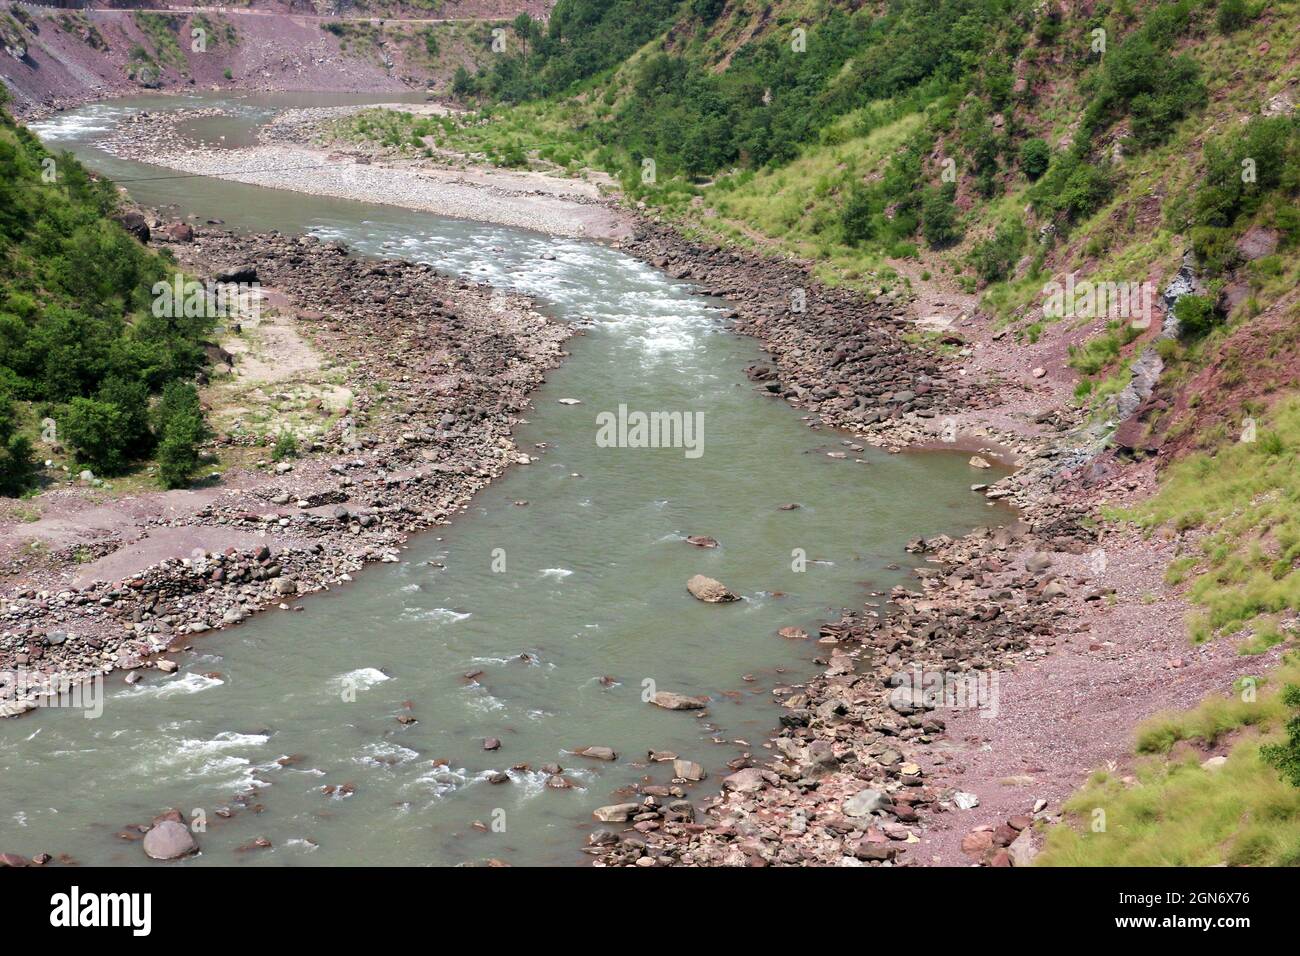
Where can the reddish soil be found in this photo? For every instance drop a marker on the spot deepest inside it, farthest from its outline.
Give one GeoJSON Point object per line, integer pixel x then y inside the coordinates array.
{"type": "Point", "coordinates": [75, 56]}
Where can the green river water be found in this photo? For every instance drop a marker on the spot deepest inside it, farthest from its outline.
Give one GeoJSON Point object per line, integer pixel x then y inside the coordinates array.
{"type": "Point", "coordinates": [594, 585]}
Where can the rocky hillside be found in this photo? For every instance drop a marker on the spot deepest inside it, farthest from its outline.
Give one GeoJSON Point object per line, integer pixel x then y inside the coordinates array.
{"type": "Point", "coordinates": [53, 57]}
{"type": "Point", "coordinates": [1091, 207]}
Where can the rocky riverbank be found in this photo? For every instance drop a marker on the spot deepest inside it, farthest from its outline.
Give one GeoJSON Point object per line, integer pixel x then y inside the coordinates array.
{"type": "Point", "coordinates": [428, 427]}
{"type": "Point", "coordinates": [281, 161]}
{"type": "Point", "coordinates": [945, 727]}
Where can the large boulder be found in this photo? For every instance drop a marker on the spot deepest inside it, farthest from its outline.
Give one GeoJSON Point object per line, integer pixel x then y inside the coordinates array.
{"type": "Point", "coordinates": [749, 780]}
{"type": "Point", "coordinates": [134, 223]}
{"type": "Point", "coordinates": [671, 701]}
{"type": "Point", "coordinates": [178, 232]}
{"type": "Point", "coordinates": [710, 591]}
{"type": "Point", "coordinates": [865, 802]}
{"type": "Point", "coordinates": [169, 840]}
{"type": "Point", "coordinates": [615, 813]}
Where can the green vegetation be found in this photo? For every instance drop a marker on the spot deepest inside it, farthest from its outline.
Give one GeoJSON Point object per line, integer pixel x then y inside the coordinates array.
{"type": "Point", "coordinates": [216, 32]}
{"type": "Point", "coordinates": [162, 30]}
{"type": "Point", "coordinates": [1173, 811]}
{"type": "Point", "coordinates": [1101, 351]}
{"type": "Point", "coordinates": [1196, 315]}
{"type": "Point", "coordinates": [286, 446]}
{"type": "Point", "coordinates": [17, 467]}
{"type": "Point", "coordinates": [78, 338]}
{"type": "Point", "coordinates": [834, 132]}
{"type": "Point", "coordinates": [1251, 175]}
{"type": "Point", "coordinates": [1246, 495]}
{"type": "Point", "coordinates": [181, 430]}
{"type": "Point", "coordinates": [1285, 756]}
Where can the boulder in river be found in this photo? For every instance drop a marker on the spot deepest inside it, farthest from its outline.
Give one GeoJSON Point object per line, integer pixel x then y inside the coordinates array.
{"type": "Point", "coordinates": [597, 753]}
{"type": "Point", "coordinates": [670, 701]}
{"type": "Point", "coordinates": [615, 813]}
{"type": "Point", "coordinates": [688, 770]}
{"type": "Point", "coordinates": [169, 840]}
{"type": "Point", "coordinates": [710, 591]}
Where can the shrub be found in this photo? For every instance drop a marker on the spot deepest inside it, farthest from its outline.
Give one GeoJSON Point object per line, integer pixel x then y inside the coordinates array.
{"type": "Point", "coordinates": [1035, 156]}
{"type": "Point", "coordinates": [1285, 757]}
{"type": "Point", "coordinates": [1231, 16]}
{"type": "Point", "coordinates": [17, 468]}
{"type": "Point", "coordinates": [1195, 314]}
{"type": "Point", "coordinates": [96, 432]}
{"type": "Point", "coordinates": [994, 258]}
{"type": "Point", "coordinates": [182, 431]}
{"type": "Point", "coordinates": [1071, 187]}
{"type": "Point", "coordinates": [286, 446]}
{"type": "Point", "coordinates": [938, 213]}
{"type": "Point", "coordinates": [1215, 250]}
{"type": "Point", "coordinates": [857, 221]}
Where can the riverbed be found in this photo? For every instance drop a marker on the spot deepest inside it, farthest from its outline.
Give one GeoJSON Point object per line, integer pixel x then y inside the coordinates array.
{"type": "Point", "coordinates": [561, 589]}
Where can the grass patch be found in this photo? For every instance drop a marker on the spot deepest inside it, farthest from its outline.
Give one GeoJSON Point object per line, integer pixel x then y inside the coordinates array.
{"type": "Point", "coordinates": [1246, 495]}
{"type": "Point", "coordinates": [1176, 813]}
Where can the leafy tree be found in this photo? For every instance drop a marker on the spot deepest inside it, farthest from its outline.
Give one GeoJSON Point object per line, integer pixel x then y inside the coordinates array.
{"type": "Point", "coordinates": [1035, 156]}
{"type": "Point", "coordinates": [96, 432]}
{"type": "Point", "coordinates": [462, 84]}
{"type": "Point", "coordinates": [131, 398]}
{"type": "Point", "coordinates": [182, 431]}
{"type": "Point", "coordinates": [939, 217]}
{"type": "Point", "coordinates": [1285, 757]}
{"type": "Point", "coordinates": [1138, 77]}
{"type": "Point", "coordinates": [76, 325]}
{"type": "Point", "coordinates": [17, 467]}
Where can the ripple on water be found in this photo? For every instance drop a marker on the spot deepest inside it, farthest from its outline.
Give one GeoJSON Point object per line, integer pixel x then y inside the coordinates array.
{"type": "Point", "coordinates": [191, 683]}
{"type": "Point", "coordinates": [360, 679]}
{"type": "Point", "coordinates": [439, 615]}
{"type": "Point", "coordinates": [385, 755]}
{"type": "Point", "coordinates": [196, 759]}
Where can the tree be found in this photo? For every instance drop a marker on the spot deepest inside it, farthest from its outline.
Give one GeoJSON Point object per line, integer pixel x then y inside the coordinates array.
{"type": "Point", "coordinates": [462, 83]}
{"type": "Point", "coordinates": [17, 468]}
{"type": "Point", "coordinates": [1285, 757]}
{"type": "Point", "coordinates": [96, 432]}
{"type": "Point", "coordinates": [181, 431]}
{"type": "Point", "coordinates": [1035, 155]}
{"type": "Point", "coordinates": [858, 218]}
{"type": "Point", "coordinates": [132, 400]}
{"type": "Point", "coordinates": [939, 217]}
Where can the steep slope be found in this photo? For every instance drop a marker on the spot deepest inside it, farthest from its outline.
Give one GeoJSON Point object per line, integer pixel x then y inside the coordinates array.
{"type": "Point", "coordinates": [1091, 206]}
{"type": "Point", "coordinates": [56, 57]}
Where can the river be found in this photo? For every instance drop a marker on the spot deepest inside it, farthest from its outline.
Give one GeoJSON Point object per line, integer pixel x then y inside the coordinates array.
{"type": "Point", "coordinates": [593, 587]}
